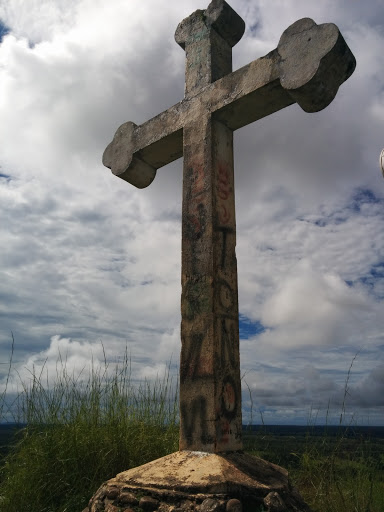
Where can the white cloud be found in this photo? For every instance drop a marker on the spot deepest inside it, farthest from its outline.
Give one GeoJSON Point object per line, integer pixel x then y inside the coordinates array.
{"type": "Point", "coordinates": [38, 20]}
{"type": "Point", "coordinates": [310, 308]}
{"type": "Point", "coordinates": [87, 258]}
{"type": "Point", "coordinates": [62, 359]}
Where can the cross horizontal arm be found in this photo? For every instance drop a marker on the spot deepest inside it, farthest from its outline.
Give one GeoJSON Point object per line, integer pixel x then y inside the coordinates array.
{"type": "Point", "coordinates": [250, 93]}
{"type": "Point", "coordinates": [239, 98]}
{"type": "Point", "coordinates": [136, 152]}
{"type": "Point", "coordinates": [308, 66]}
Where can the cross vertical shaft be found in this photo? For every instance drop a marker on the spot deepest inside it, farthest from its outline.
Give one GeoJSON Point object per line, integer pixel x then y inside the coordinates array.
{"type": "Point", "coordinates": [308, 66]}
{"type": "Point", "coordinates": [210, 389]}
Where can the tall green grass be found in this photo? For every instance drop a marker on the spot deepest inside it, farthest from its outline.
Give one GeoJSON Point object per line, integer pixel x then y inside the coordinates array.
{"type": "Point", "coordinates": [84, 428]}
{"type": "Point", "coordinates": [341, 481]}
{"type": "Point", "coordinates": [333, 473]}
{"type": "Point", "coordinates": [341, 475]}
{"type": "Point", "coordinates": [82, 431]}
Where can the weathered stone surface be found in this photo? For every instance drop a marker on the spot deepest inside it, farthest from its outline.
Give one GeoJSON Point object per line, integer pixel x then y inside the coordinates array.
{"type": "Point", "coordinates": [184, 480]}
{"type": "Point", "coordinates": [111, 508]}
{"type": "Point", "coordinates": [314, 61]}
{"type": "Point", "coordinates": [308, 66]}
{"type": "Point", "coordinates": [187, 505]}
{"type": "Point", "coordinates": [128, 498]}
{"type": "Point", "coordinates": [113, 493]}
{"type": "Point", "coordinates": [244, 96]}
{"type": "Point", "coordinates": [212, 505]}
{"type": "Point", "coordinates": [164, 507]}
{"type": "Point", "coordinates": [187, 471]}
{"type": "Point", "coordinates": [274, 503]}
{"type": "Point", "coordinates": [147, 503]}
{"type": "Point", "coordinates": [120, 157]}
{"type": "Point", "coordinates": [233, 505]}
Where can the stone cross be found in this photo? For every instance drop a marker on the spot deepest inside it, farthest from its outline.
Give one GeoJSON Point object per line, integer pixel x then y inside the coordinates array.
{"type": "Point", "coordinates": [308, 66]}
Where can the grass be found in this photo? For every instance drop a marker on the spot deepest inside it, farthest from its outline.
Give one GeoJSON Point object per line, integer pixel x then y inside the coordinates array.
{"type": "Point", "coordinates": [85, 428]}
{"type": "Point", "coordinates": [335, 472]}
{"type": "Point", "coordinates": [344, 475]}
{"type": "Point", "coordinates": [81, 432]}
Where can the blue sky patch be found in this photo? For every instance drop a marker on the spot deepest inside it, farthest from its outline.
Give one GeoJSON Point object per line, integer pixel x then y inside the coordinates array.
{"type": "Point", "coordinates": [377, 271]}
{"type": "Point", "coordinates": [334, 220]}
{"type": "Point", "coordinates": [248, 328]}
{"type": "Point", "coordinates": [363, 197]}
{"type": "Point", "coordinates": [255, 27]}
{"type": "Point", "coordinates": [370, 279]}
{"type": "Point", "coordinates": [4, 30]}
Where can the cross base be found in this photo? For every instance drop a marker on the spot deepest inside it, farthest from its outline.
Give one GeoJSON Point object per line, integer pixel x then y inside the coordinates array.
{"type": "Point", "coordinates": [199, 481]}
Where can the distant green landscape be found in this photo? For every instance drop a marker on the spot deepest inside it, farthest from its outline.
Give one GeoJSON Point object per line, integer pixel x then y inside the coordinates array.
{"type": "Point", "coordinates": [77, 433]}
{"type": "Point", "coordinates": [336, 469]}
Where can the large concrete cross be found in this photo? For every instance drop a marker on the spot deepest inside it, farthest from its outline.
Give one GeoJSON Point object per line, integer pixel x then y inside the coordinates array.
{"type": "Point", "coordinates": [308, 66]}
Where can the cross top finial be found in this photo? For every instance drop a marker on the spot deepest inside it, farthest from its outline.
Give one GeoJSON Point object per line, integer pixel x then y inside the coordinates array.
{"type": "Point", "coordinates": [220, 16]}
{"type": "Point", "coordinates": [207, 38]}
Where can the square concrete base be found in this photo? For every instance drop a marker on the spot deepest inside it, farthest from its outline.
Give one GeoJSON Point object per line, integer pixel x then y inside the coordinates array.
{"type": "Point", "coordinates": [199, 481]}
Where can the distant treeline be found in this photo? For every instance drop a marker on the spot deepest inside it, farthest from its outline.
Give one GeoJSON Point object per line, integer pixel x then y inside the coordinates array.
{"type": "Point", "coordinates": [317, 430]}
{"type": "Point", "coordinates": [8, 431]}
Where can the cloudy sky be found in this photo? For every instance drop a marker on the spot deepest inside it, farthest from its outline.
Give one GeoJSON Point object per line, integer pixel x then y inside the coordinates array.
{"type": "Point", "coordinates": [87, 260]}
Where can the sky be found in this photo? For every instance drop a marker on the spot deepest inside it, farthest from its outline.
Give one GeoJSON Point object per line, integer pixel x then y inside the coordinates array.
{"type": "Point", "coordinates": [89, 263]}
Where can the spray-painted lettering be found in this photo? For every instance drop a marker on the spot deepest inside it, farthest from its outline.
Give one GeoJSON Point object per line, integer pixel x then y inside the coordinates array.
{"type": "Point", "coordinates": [194, 421]}
{"type": "Point", "coordinates": [228, 340]}
{"type": "Point", "coordinates": [223, 184]}
{"type": "Point", "coordinates": [225, 295]}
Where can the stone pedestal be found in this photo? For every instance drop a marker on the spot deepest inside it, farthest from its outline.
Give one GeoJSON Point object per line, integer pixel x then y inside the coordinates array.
{"type": "Point", "coordinates": [200, 481]}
